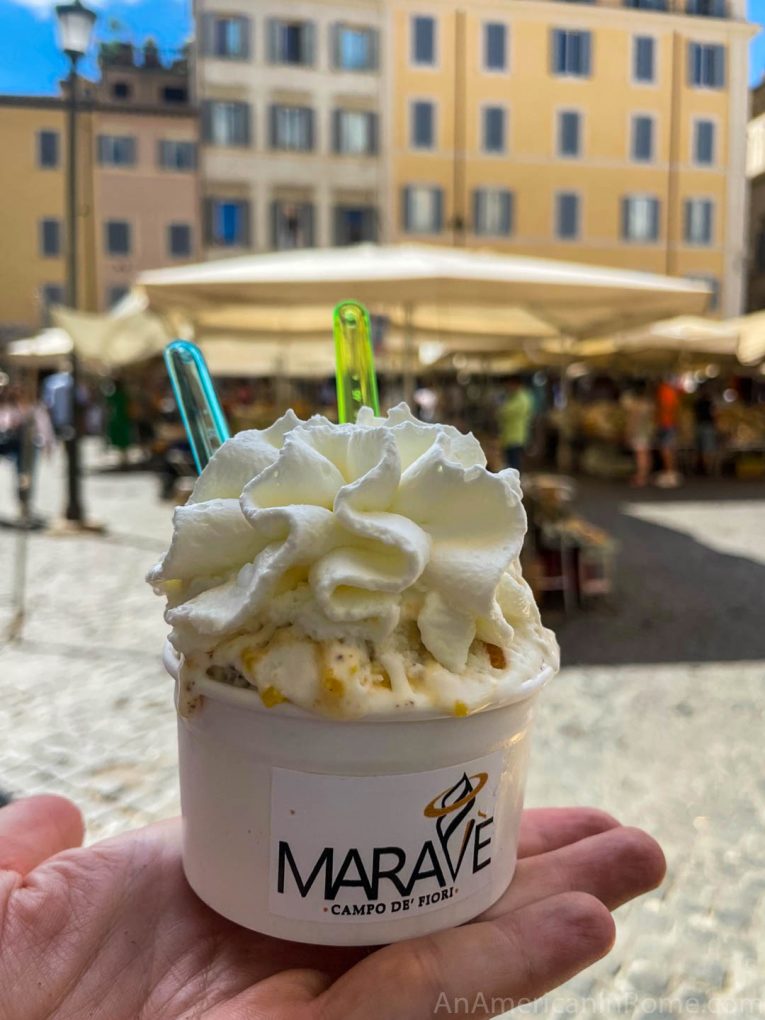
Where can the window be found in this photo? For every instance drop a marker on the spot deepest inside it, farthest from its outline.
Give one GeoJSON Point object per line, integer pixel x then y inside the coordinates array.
{"type": "Point", "coordinates": [227, 222]}
{"type": "Point", "coordinates": [355, 224]}
{"type": "Point", "coordinates": [648, 5]}
{"type": "Point", "coordinates": [422, 128]}
{"type": "Point", "coordinates": [567, 216]}
{"type": "Point", "coordinates": [225, 122]}
{"type": "Point", "coordinates": [117, 237]}
{"type": "Point", "coordinates": [706, 65]}
{"type": "Point", "coordinates": [115, 294]}
{"type": "Point", "coordinates": [291, 42]}
{"type": "Point", "coordinates": [642, 139]}
{"type": "Point", "coordinates": [121, 90]}
{"type": "Point", "coordinates": [47, 149]}
{"type": "Point", "coordinates": [708, 8]}
{"type": "Point", "coordinates": [116, 150]}
{"type": "Point", "coordinates": [704, 142]}
{"type": "Point", "coordinates": [640, 218]}
{"type": "Point", "coordinates": [179, 240]}
{"type": "Point", "coordinates": [423, 40]}
{"type": "Point", "coordinates": [714, 286]}
{"type": "Point", "coordinates": [569, 133]}
{"type": "Point", "coordinates": [174, 94]}
{"type": "Point", "coordinates": [50, 237]}
{"type": "Point", "coordinates": [226, 36]}
{"type": "Point", "coordinates": [51, 294]}
{"type": "Point", "coordinates": [423, 209]}
{"type": "Point", "coordinates": [354, 132]}
{"type": "Point", "coordinates": [355, 49]}
{"type": "Point", "coordinates": [291, 225]}
{"type": "Point", "coordinates": [492, 212]}
{"type": "Point", "coordinates": [494, 46]}
{"type": "Point", "coordinates": [699, 221]}
{"type": "Point", "coordinates": [494, 119]}
{"type": "Point", "coordinates": [571, 52]}
{"type": "Point", "coordinates": [644, 58]}
{"type": "Point", "coordinates": [292, 128]}
{"type": "Point", "coordinates": [174, 155]}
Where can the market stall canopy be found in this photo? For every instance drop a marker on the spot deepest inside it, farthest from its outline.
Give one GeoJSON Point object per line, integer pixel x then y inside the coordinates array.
{"type": "Point", "coordinates": [507, 296]}
{"type": "Point", "coordinates": [126, 335]}
{"type": "Point", "coordinates": [49, 349]}
{"type": "Point", "coordinates": [751, 337]}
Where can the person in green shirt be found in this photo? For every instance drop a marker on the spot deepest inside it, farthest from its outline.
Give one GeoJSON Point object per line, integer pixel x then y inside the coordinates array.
{"type": "Point", "coordinates": [515, 416]}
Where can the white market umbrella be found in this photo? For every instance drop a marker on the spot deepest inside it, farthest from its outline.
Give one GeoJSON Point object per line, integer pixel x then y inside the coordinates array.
{"type": "Point", "coordinates": [751, 337]}
{"type": "Point", "coordinates": [126, 335]}
{"type": "Point", "coordinates": [518, 296]}
{"type": "Point", "coordinates": [49, 349]}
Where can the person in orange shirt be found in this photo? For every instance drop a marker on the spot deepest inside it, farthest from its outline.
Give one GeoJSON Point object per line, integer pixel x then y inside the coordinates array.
{"type": "Point", "coordinates": [668, 409]}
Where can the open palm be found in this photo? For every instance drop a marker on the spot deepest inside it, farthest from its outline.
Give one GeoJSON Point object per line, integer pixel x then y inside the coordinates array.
{"type": "Point", "coordinates": [113, 931]}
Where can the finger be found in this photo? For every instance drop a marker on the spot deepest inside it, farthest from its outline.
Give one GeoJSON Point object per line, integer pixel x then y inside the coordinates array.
{"type": "Point", "coordinates": [545, 829]}
{"type": "Point", "coordinates": [492, 965]}
{"type": "Point", "coordinates": [614, 866]}
{"type": "Point", "coordinates": [36, 828]}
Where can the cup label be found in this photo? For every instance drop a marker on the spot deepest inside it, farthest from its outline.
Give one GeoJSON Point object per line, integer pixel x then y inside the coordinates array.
{"type": "Point", "coordinates": [358, 848]}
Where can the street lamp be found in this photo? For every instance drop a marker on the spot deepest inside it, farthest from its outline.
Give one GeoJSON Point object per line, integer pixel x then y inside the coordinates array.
{"type": "Point", "coordinates": [75, 27]}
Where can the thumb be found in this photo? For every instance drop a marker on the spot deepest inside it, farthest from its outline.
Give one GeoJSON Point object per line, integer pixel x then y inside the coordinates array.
{"type": "Point", "coordinates": [36, 828]}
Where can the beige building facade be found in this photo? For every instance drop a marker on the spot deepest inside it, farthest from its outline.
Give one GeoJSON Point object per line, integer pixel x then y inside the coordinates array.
{"type": "Point", "coordinates": [290, 99]}
{"type": "Point", "coordinates": [603, 132]}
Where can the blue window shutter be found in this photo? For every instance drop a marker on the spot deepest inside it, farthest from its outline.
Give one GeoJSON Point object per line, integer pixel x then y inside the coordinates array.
{"type": "Point", "coordinates": [208, 35]}
{"type": "Point", "coordinates": [274, 217]}
{"type": "Point", "coordinates": [274, 38]}
{"type": "Point", "coordinates": [372, 121]}
{"type": "Point", "coordinates": [625, 219]}
{"type": "Point", "coordinates": [207, 109]}
{"type": "Point", "coordinates": [406, 208]}
{"type": "Point", "coordinates": [556, 51]}
{"type": "Point", "coordinates": [273, 126]}
{"type": "Point", "coordinates": [438, 210]}
{"type": "Point", "coordinates": [310, 143]}
{"type": "Point", "coordinates": [308, 222]}
{"type": "Point", "coordinates": [654, 219]}
{"type": "Point", "coordinates": [336, 125]}
{"type": "Point", "coordinates": [208, 220]}
{"type": "Point", "coordinates": [374, 49]}
{"type": "Point", "coordinates": [718, 60]}
{"type": "Point", "coordinates": [507, 212]}
{"type": "Point", "coordinates": [335, 44]}
{"type": "Point", "coordinates": [586, 53]}
{"type": "Point", "coordinates": [245, 225]}
{"type": "Point", "coordinates": [309, 47]}
{"type": "Point", "coordinates": [477, 210]}
{"type": "Point", "coordinates": [246, 118]}
{"type": "Point", "coordinates": [708, 222]}
{"type": "Point", "coordinates": [102, 148]}
{"type": "Point", "coordinates": [131, 150]}
{"type": "Point", "coordinates": [694, 63]}
{"type": "Point", "coordinates": [247, 33]}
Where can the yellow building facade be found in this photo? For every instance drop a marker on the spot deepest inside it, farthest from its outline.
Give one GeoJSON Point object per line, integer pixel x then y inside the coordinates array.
{"type": "Point", "coordinates": [32, 212]}
{"type": "Point", "coordinates": [586, 132]}
{"type": "Point", "coordinates": [138, 190]}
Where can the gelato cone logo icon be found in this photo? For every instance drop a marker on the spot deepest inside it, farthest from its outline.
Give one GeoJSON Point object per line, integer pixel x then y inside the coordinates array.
{"type": "Point", "coordinates": [451, 809]}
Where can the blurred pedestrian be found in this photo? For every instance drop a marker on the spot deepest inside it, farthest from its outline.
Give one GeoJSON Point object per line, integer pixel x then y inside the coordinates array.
{"type": "Point", "coordinates": [25, 431]}
{"type": "Point", "coordinates": [640, 417]}
{"type": "Point", "coordinates": [704, 414]}
{"type": "Point", "coordinates": [119, 428]}
{"type": "Point", "coordinates": [515, 416]}
{"type": "Point", "coordinates": [668, 411]}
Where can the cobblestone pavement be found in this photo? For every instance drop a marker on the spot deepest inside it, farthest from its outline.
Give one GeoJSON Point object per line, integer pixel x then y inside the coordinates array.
{"type": "Point", "coordinates": [674, 746]}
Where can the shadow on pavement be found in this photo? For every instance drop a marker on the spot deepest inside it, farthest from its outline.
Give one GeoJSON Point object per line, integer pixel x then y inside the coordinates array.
{"type": "Point", "coordinates": [676, 599]}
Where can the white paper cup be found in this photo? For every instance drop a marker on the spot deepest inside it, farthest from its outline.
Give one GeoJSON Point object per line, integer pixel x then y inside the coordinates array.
{"type": "Point", "coordinates": [349, 833]}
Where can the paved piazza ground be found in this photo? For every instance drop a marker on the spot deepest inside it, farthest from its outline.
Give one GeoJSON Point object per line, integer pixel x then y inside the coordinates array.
{"type": "Point", "coordinates": [657, 717]}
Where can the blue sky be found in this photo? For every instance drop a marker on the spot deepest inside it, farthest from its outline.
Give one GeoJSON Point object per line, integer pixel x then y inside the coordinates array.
{"type": "Point", "coordinates": [29, 58]}
{"type": "Point", "coordinates": [30, 61]}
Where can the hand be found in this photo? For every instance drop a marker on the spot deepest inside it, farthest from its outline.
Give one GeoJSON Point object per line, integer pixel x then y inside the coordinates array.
{"type": "Point", "coordinates": [113, 932]}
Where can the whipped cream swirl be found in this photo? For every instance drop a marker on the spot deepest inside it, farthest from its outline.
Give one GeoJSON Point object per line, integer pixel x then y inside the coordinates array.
{"type": "Point", "coordinates": [363, 519]}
